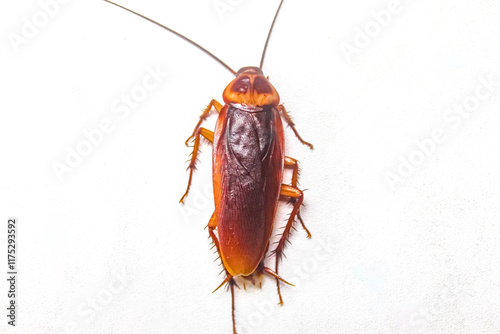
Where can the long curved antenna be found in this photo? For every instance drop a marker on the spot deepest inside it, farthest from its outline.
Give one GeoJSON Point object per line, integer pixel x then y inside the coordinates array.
{"type": "Point", "coordinates": [179, 35]}
{"type": "Point", "coordinates": [269, 35]}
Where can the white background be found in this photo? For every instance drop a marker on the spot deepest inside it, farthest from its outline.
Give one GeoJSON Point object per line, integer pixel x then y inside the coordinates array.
{"type": "Point", "coordinates": [109, 250]}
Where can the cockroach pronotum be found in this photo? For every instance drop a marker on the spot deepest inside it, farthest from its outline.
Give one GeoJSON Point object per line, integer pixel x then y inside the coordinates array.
{"type": "Point", "coordinates": [248, 165]}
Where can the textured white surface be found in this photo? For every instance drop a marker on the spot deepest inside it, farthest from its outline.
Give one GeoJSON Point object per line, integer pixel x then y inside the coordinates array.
{"type": "Point", "coordinates": [110, 250]}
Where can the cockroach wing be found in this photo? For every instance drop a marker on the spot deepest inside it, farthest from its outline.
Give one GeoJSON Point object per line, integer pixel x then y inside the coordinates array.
{"type": "Point", "coordinates": [248, 155]}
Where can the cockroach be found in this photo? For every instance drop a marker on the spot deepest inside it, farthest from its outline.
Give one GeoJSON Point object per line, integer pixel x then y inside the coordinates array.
{"type": "Point", "coordinates": [248, 163]}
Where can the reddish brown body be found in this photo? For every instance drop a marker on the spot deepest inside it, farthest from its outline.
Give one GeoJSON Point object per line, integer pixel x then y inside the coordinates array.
{"type": "Point", "coordinates": [248, 165]}
{"type": "Point", "coordinates": [248, 156]}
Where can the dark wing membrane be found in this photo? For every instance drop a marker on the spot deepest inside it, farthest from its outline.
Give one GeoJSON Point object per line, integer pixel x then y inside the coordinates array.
{"type": "Point", "coordinates": [245, 152]}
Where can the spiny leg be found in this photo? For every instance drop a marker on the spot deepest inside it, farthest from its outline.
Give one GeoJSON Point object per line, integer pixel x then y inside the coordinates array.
{"type": "Point", "coordinates": [207, 134]}
{"type": "Point", "coordinates": [298, 197]}
{"type": "Point", "coordinates": [203, 117]}
{"type": "Point", "coordinates": [270, 272]}
{"type": "Point", "coordinates": [230, 281]}
{"type": "Point", "coordinates": [196, 133]}
{"type": "Point", "coordinates": [288, 119]}
{"type": "Point", "coordinates": [293, 163]}
{"type": "Point", "coordinates": [212, 225]}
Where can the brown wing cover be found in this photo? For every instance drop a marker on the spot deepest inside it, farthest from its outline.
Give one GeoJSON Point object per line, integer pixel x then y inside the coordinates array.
{"type": "Point", "coordinates": [248, 155]}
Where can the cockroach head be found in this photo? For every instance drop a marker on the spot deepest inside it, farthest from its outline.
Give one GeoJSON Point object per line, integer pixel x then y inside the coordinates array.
{"type": "Point", "coordinates": [251, 88]}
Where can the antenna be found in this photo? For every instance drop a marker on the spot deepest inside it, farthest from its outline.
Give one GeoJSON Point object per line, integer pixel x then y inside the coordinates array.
{"type": "Point", "coordinates": [181, 36]}
{"type": "Point", "coordinates": [269, 35]}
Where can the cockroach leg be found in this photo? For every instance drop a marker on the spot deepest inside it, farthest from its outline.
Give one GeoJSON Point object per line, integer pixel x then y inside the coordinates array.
{"type": "Point", "coordinates": [232, 284]}
{"type": "Point", "coordinates": [230, 281]}
{"type": "Point", "coordinates": [212, 225]}
{"type": "Point", "coordinates": [275, 275]}
{"type": "Point", "coordinates": [288, 119]}
{"type": "Point", "coordinates": [303, 225]}
{"type": "Point", "coordinates": [298, 197]}
{"type": "Point", "coordinates": [222, 284]}
{"type": "Point", "coordinates": [204, 116]}
{"type": "Point", "coordinates": [207, 134]}
{"type": "Point", "coordinates": [294, 164]}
